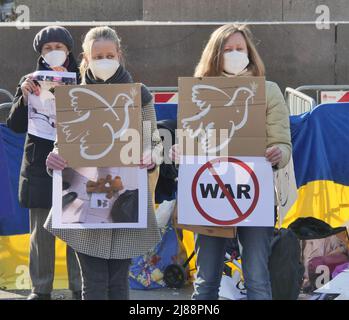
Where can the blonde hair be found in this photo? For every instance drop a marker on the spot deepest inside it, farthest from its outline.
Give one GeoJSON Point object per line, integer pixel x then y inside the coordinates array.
{"type": "Point", "coordinates": [211, 61]}
{"type": "Point", "coordinates": [95, 34]}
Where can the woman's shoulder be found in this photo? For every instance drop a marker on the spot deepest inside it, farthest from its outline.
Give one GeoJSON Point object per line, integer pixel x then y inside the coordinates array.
{"type": "Point", "coordinates": [147, 97]}
{"type": "Point", "coordinates": [272, 90]}
{"type": "Point", "coordinates": [271, 86]}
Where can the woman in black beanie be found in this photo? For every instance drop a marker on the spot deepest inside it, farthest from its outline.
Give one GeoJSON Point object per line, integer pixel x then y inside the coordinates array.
{"type": "Point", "coordinates": [54, 44]}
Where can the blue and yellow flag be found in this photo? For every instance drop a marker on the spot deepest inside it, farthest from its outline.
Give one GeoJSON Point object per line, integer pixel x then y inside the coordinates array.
{"type": "Point", "coordinates": [320, 152]}
{"type": "Point", "coordinates": [14, 221]}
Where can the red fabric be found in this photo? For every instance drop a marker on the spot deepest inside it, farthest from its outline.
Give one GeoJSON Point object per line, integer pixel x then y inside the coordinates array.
{"type": "Point", "coordinates": [163, 97]}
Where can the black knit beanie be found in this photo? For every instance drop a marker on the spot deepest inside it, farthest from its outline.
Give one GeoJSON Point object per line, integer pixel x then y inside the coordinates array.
{"type": "Point", "coordinates": [52, 34]}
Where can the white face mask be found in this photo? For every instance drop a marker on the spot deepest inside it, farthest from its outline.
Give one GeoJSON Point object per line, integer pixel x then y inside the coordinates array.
{"type": "Point", "coordinates": [104, 68]}
{"type": "Point", "coordinates": [235, 62]}
{"type": "Point", "coordinates": [55, 58]}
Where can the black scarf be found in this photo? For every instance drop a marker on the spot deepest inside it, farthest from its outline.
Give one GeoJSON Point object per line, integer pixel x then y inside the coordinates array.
{"type": "Point", "coordinates": [70, 64]}
{"type": "Point", "coordinates": [120, 76]}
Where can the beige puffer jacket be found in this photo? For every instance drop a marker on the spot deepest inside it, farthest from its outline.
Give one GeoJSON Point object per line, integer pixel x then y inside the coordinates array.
{"type": "Point", "coordinates": [278, 123]}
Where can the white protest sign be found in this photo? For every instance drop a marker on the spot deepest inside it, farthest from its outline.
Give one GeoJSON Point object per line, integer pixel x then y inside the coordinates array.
{"type": "Point", "coordinates": [90, 198]}
{"type": "Point", "coordinates": [225, 191]}
{"type": "Point", "coordinates": [99, 201]}
{"type": "Point", "coordinates": [42, 108]}
{"type": "Point", "coordinates": [286, 189]}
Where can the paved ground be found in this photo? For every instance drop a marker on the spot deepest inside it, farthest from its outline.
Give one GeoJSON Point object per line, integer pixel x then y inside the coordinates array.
{"type": "Point", "coordinates": [157, 294]}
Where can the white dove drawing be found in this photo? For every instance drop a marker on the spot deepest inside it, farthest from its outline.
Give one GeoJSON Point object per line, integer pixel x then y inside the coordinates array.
{"type": "Point", "coordinates": [204, 134]}
{"type": "Point", "coordinates": [83, 115]}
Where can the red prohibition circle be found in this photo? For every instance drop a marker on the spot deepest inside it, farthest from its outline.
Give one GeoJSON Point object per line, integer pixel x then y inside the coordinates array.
{"type": "Point", "coordinates": [207, 216]}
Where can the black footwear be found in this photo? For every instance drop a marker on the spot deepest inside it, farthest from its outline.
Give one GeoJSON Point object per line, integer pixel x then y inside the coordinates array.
{"type": "Point", "coordinates": [39, 296]}
{"type": "Point", "coordinates": [77, 295]}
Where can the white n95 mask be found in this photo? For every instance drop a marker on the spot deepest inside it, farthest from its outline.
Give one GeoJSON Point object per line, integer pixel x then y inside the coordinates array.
{"type": "Point", "coordinates": [235, 62]}
{"type": "Point", "coordinates": [104, 68]}
{"type": "Point", "coordinates": [55, 58]}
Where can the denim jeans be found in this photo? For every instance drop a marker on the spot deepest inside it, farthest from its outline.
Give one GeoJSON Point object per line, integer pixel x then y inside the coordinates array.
{"type": "Point", "coordinates": [104, 279]}
{"type": "Point", "coordinates": [256, 249]}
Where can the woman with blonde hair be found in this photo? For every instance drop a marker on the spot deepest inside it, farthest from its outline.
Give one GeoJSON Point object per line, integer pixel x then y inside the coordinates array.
{"type": "Point", "coordinates": [105, 254]}
{"type": "Point", "coordinates": [230, 52]}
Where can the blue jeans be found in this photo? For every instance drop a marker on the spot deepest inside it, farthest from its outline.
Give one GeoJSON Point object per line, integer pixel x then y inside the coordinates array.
{"type": "Point", "coordinates": [256, 249]}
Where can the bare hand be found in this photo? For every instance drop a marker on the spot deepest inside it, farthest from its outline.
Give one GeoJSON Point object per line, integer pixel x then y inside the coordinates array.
{"type": "Point", "coordinates": [59, 69]}
{"type": "Point", "coordinates": [147, 161]}
{"type": "Point", "coordinates": [29, 87]}
{"type": "Point", "coordinates": [273, 155]}
{"type": "Point", "coordinates": [175, 153]}
{"type": "Point", "coordinates": [55, 162]}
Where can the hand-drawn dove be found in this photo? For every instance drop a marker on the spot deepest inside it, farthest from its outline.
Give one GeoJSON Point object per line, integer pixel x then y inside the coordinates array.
{"type": "Point", "coordinates": [76, 129]}
{"type": "Point", "coordinates": [194, 125]}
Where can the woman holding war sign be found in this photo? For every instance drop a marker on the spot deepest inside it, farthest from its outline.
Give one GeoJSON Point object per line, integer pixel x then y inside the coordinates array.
{"type": "Point", "coordinates": [230, 52]}
{"type": "Point", "coordinates": [105, 254]}
{"type": "Point", "coordinates": [54, 45]}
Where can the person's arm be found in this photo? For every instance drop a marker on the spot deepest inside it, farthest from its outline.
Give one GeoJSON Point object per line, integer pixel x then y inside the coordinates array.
{"type": "Point", "coordinates": [278, 124]}
{"type": "Point", "coordinates": [17, 119]}
{"type": "Point", "coordinates": [148, 114]}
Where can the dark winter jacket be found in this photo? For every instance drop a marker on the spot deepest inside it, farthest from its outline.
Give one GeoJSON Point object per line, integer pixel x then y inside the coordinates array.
{"type": "Point", "coordinates": [35, 185]}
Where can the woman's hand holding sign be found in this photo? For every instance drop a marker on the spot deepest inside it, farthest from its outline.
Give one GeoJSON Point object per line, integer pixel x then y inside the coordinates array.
{"type": "Point", "coordinates": [174, 153]}
{"type": "Point", "coordinates": [55, 162]}
{"type": "Point", "coordinates": [147, 161]}
{"type": "Point", "coordinates": [29, 87]}
{"type": "Point", "coordinates": [273, 155]}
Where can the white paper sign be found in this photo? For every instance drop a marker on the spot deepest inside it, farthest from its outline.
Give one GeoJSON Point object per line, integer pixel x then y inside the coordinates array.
{"type": "Point", "coordinates": [42, 108]}
{"type": "Point", "coordinates": [90, 193]}
{"type": "Point", "coordinates": [225, 191]}
{"type": "Point", "coordinates": [286, 189]}
{"type": "Point", "coordinates": [339, 284]}
{"type": "Point", "coordinates": [99, 201]}
{"type": "Point", "coordinates": [229, 288]}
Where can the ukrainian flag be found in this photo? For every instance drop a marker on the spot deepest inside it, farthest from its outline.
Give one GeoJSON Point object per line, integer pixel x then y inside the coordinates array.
{"type": "Point", "coordinates": [320, 141]}
{"type": "Point", "coordinates": [14, 221]}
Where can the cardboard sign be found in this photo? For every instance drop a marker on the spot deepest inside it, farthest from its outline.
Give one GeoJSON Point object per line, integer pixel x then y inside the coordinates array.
{"type": "Point", "coordinates": [237, 106]}
{"type": "Point", "coordinates": [226, 191]}
{"type": "Point", "coordinates": [224, 116]}
{"type": "Point", "coordinates": [93, 122]}
{"type": "Point", "coordinates": [222, 232]}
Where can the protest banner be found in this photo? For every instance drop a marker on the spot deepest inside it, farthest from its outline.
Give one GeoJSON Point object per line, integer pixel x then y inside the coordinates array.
{"type": "Point", "coordinates": [95, 123]}
{"type": "Point", "coordinates": [101, 188]}
{"type": "Point", "coordinates": [42, 108]}
{"type": "Point", "coordinates": [224, 179]}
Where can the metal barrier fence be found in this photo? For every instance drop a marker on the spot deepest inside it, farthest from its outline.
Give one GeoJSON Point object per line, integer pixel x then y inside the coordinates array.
{"type": "Point", "coordinates": [5, 107]}
{"type": "Point", "coordinates": [4, 111]}
{"type": "Point", "coordinates": [318, 88]}
{"type": "Point", "coordinates": [298, 102]}
{"type": "Point", "coordinates": [6, 93]}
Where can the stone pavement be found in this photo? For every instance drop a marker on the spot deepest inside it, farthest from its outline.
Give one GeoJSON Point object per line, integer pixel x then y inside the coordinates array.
{"type": "Point", "coordinates": [156, 294]}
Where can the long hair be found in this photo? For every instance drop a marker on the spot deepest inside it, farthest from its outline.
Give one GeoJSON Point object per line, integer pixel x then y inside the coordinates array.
{"type": "Point", "coordinates": [211, 61]}
{"type": "Point", "coordinates": [95, 34]}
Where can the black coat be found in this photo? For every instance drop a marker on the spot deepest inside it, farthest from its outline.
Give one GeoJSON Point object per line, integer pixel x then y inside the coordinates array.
{"type": "Point", "coordinates": [35, 185]}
